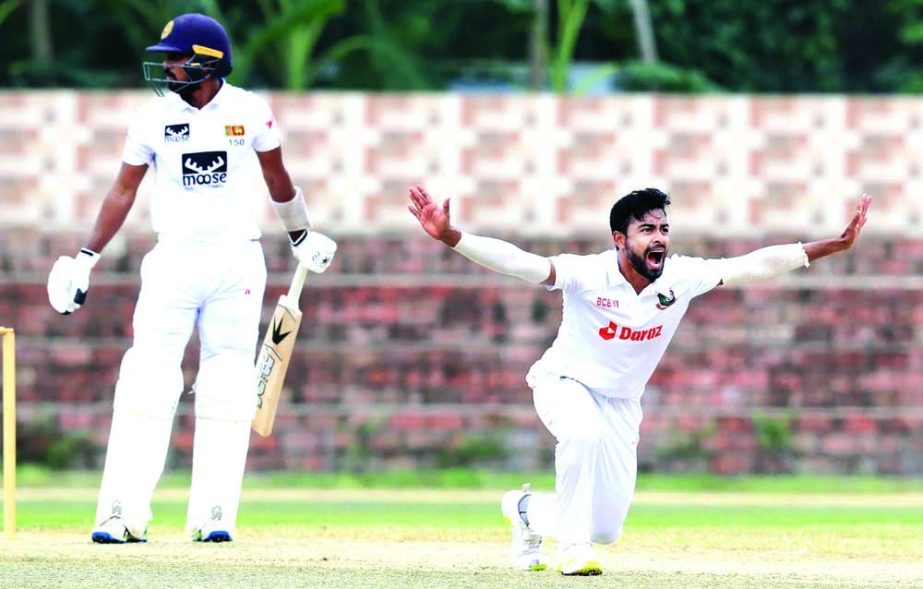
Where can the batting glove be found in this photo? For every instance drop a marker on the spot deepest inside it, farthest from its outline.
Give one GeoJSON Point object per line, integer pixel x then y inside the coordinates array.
{"type": "Point", "coordinates": [314, 250]}
{"type": "Point", "coordinates": [69, 281]}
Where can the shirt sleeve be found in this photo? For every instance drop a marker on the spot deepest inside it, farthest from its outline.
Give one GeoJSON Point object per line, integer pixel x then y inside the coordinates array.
{"type": "Point", "coordinates": [266, 137]}
{"type": "Point", "coordinates": [701, 274]}
{"type": "Point", "coordinates": [137, 150]}
{"type": "Point", "coordinates": [567, 274]}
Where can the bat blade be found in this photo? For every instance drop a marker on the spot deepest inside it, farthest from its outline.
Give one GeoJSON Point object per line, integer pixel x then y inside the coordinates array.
{"type": "Point", "coordinates": [272, 362]}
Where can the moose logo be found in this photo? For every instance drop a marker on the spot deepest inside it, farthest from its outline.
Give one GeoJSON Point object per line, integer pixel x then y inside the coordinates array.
{"type": "Point", "coordinates": [176, 133]}
{"type": "Point", "coordinates": [205, 168]}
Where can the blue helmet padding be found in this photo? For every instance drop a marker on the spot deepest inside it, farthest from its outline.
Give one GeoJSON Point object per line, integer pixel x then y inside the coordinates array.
{"type": "Point", "coordinates": [191, 29]}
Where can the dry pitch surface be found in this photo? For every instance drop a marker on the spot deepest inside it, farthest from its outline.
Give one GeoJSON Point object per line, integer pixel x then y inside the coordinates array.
{"type": "Point", "coordinates": [402, 556]}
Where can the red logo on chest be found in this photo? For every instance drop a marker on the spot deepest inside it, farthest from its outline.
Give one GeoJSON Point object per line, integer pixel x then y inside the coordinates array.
{"type": "Point", "coordinates": [613, 330]}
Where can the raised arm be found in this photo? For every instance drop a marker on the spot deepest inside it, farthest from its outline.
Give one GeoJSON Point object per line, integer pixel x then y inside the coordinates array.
{"type": "Point", "coordinates": [496, 254]}
{"type": "Point", "coordinates": [777, 259]}
{"type": "Point", "coordinates": [819, 249]}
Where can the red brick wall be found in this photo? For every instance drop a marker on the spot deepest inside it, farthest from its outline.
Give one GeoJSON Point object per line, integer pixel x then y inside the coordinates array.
{"type": "Point", "coordinates": [408, 353]}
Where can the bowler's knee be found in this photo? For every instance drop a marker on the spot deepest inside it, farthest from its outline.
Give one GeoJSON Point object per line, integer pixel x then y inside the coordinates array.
{"type": "Point", "coordinates": [607, 534]}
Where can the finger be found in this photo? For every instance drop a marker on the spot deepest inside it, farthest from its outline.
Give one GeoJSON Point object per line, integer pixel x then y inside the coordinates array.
{"type": "Point", "coordinates": [445, 206]}
{"type": "Point", "coordinates": [421, 197]}
{"type": "Point", "coordinates": [425, 194]}
{"type": "Point", "coordinates": [415, 197]}
{"type": "Point", "coordinates": [862, 207]}
{"type": "Point", "coordinates": [865, 203]}
{"type": "Point", "coordinates": [414, 212]}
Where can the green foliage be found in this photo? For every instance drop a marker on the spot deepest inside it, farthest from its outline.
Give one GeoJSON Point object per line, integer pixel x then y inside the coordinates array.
{"type": "Point", "coordinates": [774, 434]}
{"type": "Point", "coordinates": [904, 69]}
{"type": "Point", "coordinates": [359, 453]}
{"type": "Point", "coordinates": [473, 450]}
{"type": "Point", "coordinates": [571, 14]}
{"type": "Point", "coordinates": [660, 77]}
{"type": "Point", "coordinates": [768, 46]}
{"type": "Point", "coordinates": [776, 441]}
{"type": "Point", "coordinates": [407, 45]}
{"type": "Point", "coordinates": [7, 7]}
{"type": "Point", "coordinates": [41, 442]}
{"type": "Point", "coordinates": [282, 40]}
{"type": "Point", "coordinates": [687, 450]}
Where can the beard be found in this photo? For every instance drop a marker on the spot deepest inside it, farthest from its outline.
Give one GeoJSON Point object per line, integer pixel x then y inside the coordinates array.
{"type": "Point", "coordinates": [184, 89]}
{"type": "Point", "coordinates": [644, 269]}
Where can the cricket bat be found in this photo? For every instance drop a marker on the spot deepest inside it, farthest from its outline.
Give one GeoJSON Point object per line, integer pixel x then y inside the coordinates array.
{"type": "Point", "coordinates": [275, 353]}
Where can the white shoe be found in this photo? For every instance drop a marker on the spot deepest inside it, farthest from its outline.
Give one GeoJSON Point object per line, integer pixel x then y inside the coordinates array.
{"type": "Point", "coordinates": [578, 559]}
{"type": "Point", "coordinates": [214, 530]}
{"type": "Point", "coordinates": [526, 548]}
{"type": "Point", "coordinates": [114, 531]}
{"type": "Point", "coordinates": [206, 534]}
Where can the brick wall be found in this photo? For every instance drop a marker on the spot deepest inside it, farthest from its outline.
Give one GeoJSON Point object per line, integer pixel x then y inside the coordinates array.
{"type": "Point", "coordinates": [532, 164]}
{"type": "Point", "coordinates": [409, 355]}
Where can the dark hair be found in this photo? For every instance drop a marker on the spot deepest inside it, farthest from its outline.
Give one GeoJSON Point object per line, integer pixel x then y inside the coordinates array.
{"type": "Point", "coordinates": [634, 205]}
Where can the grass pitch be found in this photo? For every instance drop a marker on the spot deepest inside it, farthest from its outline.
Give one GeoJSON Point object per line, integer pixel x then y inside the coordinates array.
{"type": "Point", "coordinates": [743, 534]}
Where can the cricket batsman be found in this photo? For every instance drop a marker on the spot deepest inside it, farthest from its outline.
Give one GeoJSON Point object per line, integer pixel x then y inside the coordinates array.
{"type": "Point", "coordinates": [621, 309]}
{"type": "Point", "coordinates": [207, 271]}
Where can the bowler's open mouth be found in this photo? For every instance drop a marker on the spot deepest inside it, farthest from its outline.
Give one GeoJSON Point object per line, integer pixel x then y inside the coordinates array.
{"type": "Point", "coordinates": [655, 257]}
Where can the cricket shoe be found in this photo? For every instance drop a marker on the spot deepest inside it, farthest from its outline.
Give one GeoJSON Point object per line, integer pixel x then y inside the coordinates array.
{"type": "Point", "coordinates": [214, 530]}
{"type": "Point", "coordinates": [526, 548]}
{"type": "Point", "coordinates": [114, 531]}
{"type": "Point", "coordinates": [578, 560]}
{"type": "Point", "coordinates": [208, 535]}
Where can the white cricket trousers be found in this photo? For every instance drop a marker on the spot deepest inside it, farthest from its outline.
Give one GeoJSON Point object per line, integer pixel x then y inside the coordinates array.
{"type": "Point", "coordinates": [217, 288]}
{"type": "Point", "coordinates": [596, 462]}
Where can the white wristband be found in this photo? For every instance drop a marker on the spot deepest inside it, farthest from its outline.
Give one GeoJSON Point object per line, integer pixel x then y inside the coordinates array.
{"type": "Point", "coordinates": [504, 257]}
{"type": "Point", "coordinates": [765, 262]}
{"type": "Point", "coordinates": [293, 213]}
{"type": "Point", "coordinates": [87, 257]}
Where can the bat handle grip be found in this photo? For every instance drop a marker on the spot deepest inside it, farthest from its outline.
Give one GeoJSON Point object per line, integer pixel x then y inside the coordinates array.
{"type": "Point", "coordinates": [294, 291]}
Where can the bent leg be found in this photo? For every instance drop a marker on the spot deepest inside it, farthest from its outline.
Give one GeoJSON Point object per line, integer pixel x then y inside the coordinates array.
{"type": "Point", "coordinates": [572, 414]}
{"type": "Point", "coordinates": [595, 462]}
{"type": "Point", "coordinates": [617, 469]}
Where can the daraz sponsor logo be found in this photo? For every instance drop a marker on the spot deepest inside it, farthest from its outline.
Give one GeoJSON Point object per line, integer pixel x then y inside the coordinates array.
{"type": "Point", "coordinates": [613, 331]}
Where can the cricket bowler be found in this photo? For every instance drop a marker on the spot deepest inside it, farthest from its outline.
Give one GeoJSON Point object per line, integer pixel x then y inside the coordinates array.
{"type": "Point", "coordinates": [621, 309]}
{"type": "Point", "coordinates": [207, 271]}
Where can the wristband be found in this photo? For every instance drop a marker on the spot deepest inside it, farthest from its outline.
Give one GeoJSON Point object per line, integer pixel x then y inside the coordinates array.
{"type": "Point", "coordinates": [293, 213]}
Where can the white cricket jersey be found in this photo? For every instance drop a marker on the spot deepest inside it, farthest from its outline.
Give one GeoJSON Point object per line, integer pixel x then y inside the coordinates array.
{"type": "Point", "coordinates": [204, 162]}
{"type": "Point", "coordinates": [612, 338]}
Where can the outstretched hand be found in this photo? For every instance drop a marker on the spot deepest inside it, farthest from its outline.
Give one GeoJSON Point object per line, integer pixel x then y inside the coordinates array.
{"type": "Point", "coordinates": [433, 218]}
{"type": "Point", "coordinates": [825, 247]}
{"type": "Point", "coordinates": [851, 233]}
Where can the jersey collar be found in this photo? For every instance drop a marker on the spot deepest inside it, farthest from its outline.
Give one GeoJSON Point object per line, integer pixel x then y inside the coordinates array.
{"type": "Point", "coordinates": [614, 276]}
{"type": "Point", "coordinates": [218, 98]}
